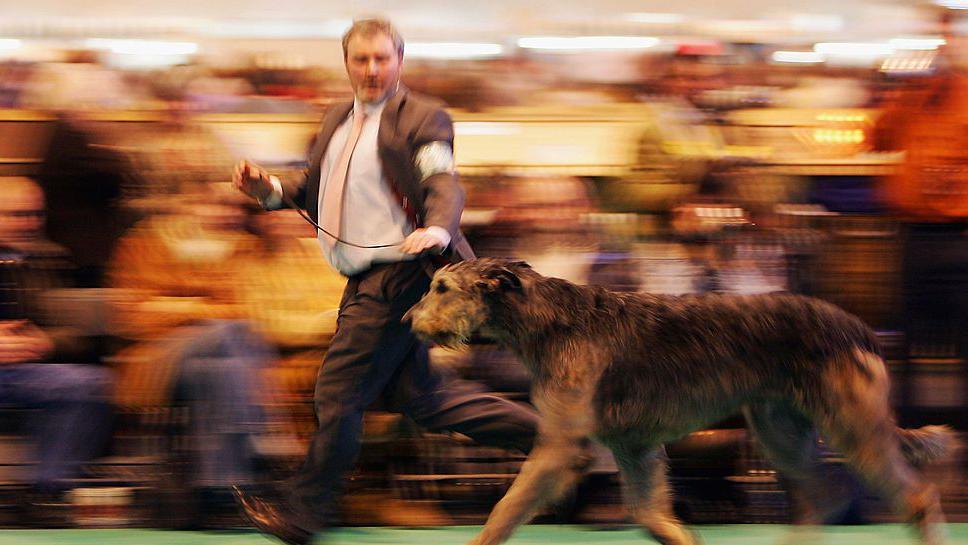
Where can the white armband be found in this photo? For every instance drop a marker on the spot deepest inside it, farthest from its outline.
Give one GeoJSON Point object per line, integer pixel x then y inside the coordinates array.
{"type": "Point", "coordinates": [434, 158]}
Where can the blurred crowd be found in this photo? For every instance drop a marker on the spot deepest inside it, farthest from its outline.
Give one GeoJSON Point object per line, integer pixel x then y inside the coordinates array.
{"type": "Point", "coordinates": [160, 335]}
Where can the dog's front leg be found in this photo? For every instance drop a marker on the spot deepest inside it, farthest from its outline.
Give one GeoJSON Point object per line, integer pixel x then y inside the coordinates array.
{"type": "Point", "coordinates": [550, 471]}
{"type": "Point", "coordinates": [554, 466]}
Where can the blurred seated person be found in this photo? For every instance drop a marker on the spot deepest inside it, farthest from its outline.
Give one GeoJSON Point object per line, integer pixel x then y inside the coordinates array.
{"type": "Point", "coordinates": [49, 369]}
{"type": "Point", "coordinates": [84, 175]}
{"type": "Point", "coordinates": [186, 340]}
{"type": "Point", "coordinates": [290, 293]}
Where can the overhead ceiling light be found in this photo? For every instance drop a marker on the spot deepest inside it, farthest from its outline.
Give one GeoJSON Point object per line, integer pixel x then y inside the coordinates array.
{"type": "Point", "coordinates": [917, 44]}
{"type": "Point", "coordinates": [587, 43]}
{"type": "Point", "coordinates": [952, 4]}
{"type": "Point", "coordinates": [9, 44]}
{"type": "Point", "coordinates": [453, 50]}
{"type": "Point", "coordinates": [801, 57]}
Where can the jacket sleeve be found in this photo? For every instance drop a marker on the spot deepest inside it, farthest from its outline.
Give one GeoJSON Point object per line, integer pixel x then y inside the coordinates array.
{"type": "Point", "coordinates": [294, 187]}
{"type": "Point", "coordinates": [443, 196]}
{"type": "Point", "coordinates": [294, 184]}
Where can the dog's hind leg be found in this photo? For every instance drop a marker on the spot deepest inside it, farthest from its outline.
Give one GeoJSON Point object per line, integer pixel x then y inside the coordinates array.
{"type": "Point", "coordinates": [853, 413]}
{"type": "Point", "coordinates": [789, 441]}
{"type": "Point", "coordinates": [645, 485]}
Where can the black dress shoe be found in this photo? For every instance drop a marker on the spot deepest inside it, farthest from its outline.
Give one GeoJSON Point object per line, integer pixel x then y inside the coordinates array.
{"type": "Point", "coordinates": [271, 517]}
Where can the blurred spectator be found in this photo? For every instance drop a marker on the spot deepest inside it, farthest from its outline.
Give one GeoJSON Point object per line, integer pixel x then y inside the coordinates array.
{"type": "Point", "coordinates": [695, 69]}
{"type": "Point", "coordinates": [543, 221]}
{"type": "Point", "coordinates": [13, 79]}
{"type": "Point", "coordinates": [186, 342]}
{"type": "Point", "coordinates": [825, 92]}
{"type": "Point", "coordinates": [84, 175]}
{"type": "Point", "coordinates": [291, 294]}
{"type": "Point", "coordinates": [927, 119]}
{"type": "Point", "coordinates": [78, 83]}
{"type": "Point", "coordinates": [546, 218]}
{"type": "Point", "coordinates": [72, 421]}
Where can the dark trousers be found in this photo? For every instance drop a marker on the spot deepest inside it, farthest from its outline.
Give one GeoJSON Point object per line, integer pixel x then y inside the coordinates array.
{"type": "Point", "coordinates": [373, 355]}
{"type": "Point", "coordinates": [218, 365]}
{"type": "Point", "coordinates": [72, 422]}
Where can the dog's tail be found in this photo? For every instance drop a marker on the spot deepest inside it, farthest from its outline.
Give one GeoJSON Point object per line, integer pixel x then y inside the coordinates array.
{"type": "Point", "coordinates": [922, 446]}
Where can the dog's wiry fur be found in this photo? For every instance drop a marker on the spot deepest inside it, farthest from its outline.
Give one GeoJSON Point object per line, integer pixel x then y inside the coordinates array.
{"type": "Point", "coordinates": [634, 371]}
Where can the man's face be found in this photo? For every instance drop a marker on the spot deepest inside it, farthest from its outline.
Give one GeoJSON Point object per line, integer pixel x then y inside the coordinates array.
{"type": "Point", "coordinates": [21, 214]}
{"type": "Point", "coordinates": [373, 66]}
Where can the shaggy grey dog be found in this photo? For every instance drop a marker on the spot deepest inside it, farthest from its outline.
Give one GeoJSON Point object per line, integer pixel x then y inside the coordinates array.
{"type": "Point", "coordinates": [634, 371]}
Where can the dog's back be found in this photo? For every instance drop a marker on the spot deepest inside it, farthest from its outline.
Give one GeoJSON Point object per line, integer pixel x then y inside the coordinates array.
{"type": "Point", "coordinates": [691, 360]}
{"type": "Point", "coordinates": [760, 331]}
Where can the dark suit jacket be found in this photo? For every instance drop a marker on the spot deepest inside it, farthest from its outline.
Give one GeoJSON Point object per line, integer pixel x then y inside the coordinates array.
{"type": "Point", "coordinates": [409, 121]}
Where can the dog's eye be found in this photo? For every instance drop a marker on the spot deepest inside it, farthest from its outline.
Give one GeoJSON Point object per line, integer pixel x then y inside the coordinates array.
{"type": "Point", "coordinates": [441, 288]}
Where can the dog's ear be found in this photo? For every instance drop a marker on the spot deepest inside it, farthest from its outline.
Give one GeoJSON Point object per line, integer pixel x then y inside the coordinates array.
{"type": "Point", "coordinates": [501, 279]}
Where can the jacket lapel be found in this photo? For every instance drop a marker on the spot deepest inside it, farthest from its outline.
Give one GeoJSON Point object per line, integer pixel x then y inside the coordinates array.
{"type": "Point", "coordinates": [334, 117]}
{"type": "Point", "coordinates": [394, 153]}
{"type": "Point", "coordinates": [391, 116]}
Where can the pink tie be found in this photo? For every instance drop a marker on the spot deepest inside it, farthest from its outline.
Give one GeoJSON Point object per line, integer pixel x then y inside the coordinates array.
{"type": "Point", "coordinates": [332, 209]}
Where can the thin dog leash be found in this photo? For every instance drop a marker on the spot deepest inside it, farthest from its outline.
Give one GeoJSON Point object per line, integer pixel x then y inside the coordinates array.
{"type": "Point", "coordinates": [305, 216]}
{"type": "Point", "coordinates": [289, 202]}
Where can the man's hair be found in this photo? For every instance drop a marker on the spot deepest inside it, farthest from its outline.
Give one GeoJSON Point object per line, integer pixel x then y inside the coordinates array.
{"type": "Point", "coordinates": [370, 27]}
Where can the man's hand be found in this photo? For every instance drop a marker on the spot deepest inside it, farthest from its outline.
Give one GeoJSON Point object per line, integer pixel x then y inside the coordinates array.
{"type": "Point", "coordinates": [21, 342]}
{"type": "Point", "coordinates": [422, 240]}
{"type": "Point", "coordinates": [253, 180]}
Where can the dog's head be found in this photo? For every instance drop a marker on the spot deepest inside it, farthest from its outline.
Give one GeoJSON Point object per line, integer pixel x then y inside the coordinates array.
{"type": "Point", "coordinates": [463, 297]}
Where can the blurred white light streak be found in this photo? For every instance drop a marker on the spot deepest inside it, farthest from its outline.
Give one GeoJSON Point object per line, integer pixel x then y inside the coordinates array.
{"type": "Point", "coordinates": [854, 49]}
{"type": "Point", "coordinates": [143, 47]}
{"type": "Point", "coordinates": [817, 23]}
{"type": "Point", "coordinates": [453, 50]}
{"type": "Point", "coordinates": [333, 28]}
{"type": "Point", "coordinates": [586, 43]}
{"type": "Point", "coordinates": [802, 57]}
{"type": "Point", "coordinates": [918, 44]}
{"type": "Point", "coordinates": [952, 4]}
{"type": "Point", "coordinates": [655, 18]}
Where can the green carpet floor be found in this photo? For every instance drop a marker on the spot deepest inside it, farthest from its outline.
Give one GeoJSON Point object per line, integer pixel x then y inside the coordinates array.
{"type": "Point", "coordinates": [740, 534]}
